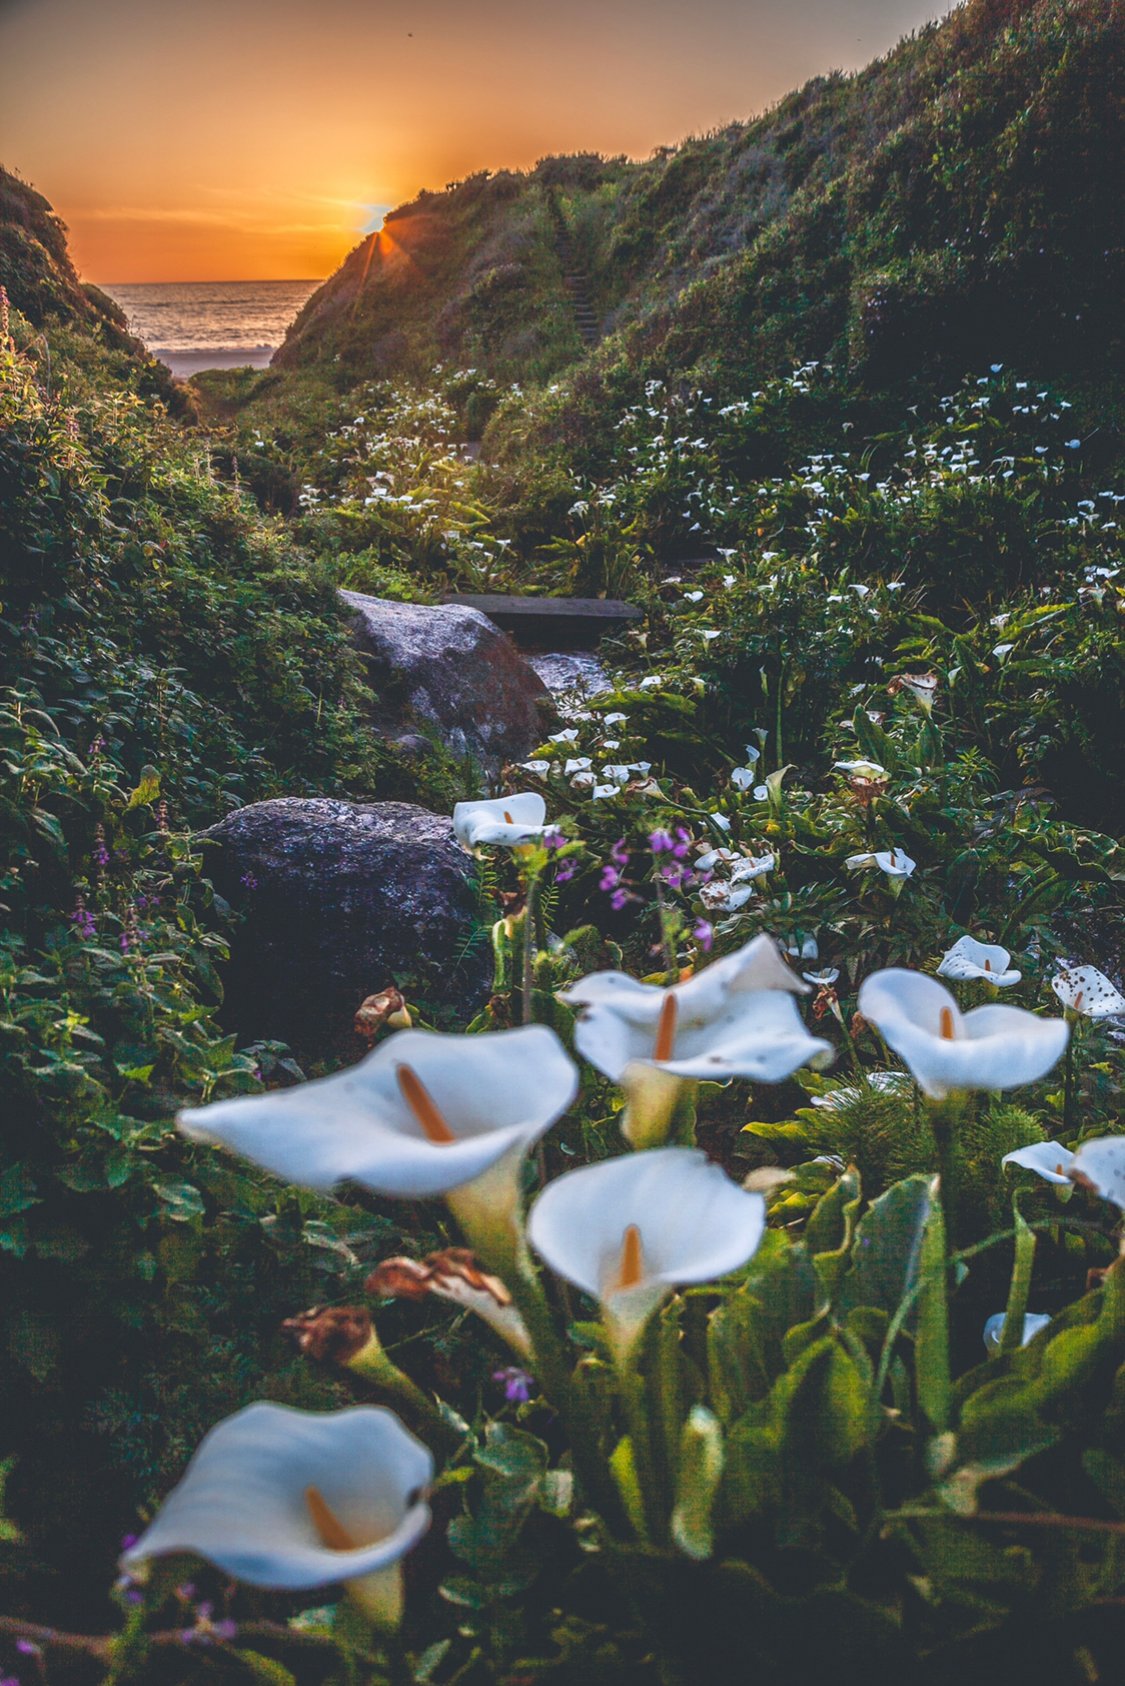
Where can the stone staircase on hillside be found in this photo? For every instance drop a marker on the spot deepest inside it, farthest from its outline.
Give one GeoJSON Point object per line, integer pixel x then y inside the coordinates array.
{"type": "Point", "coordinates": [576, 277]}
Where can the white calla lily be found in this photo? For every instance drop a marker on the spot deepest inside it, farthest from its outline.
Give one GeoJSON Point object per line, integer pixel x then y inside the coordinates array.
{"type": "Point", "coordinates": [629, 1231]}
{"type": "Point", "coordinates": [426, 1114]}
{"type": "Point", "coordinates": [896, 863]}
{"type": "Point", "coordinates": [969, 959]}
{"type": "Point", "coordinates": [861, 769]}
{"type": "Point", "coordinates": [290, 1499]}
{"type": "Point", "coordinates": [994, 1330]}
{"type": "Point", "coordinates": [1085, 990]}
{"type": "Point", "coordinates": [991, 1047]}
{"type": "Point", "coordinates": [1049, 1160]}
{"type": "Point", "coordinates": [511, 821]}
{"type": "Point", "coordinates": [736, 1018]}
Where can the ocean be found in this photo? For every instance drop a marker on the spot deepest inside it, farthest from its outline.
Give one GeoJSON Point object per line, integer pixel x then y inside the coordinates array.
{"type": "Point", "coordinates": [192, 325]}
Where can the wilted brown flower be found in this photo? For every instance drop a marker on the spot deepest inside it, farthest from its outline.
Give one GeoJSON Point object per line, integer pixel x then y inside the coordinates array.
{"type": "Point", "coordinates": [453, 1274]}
{"type": "Point", "coordinates": [866, 790]}
{"type": "Point", "coordinates": [386, 1007]}
{"type": "Point", "coordinates": [922, 686]}
{"type": "Point", "coordinates": [412, 1279]}
{"type": "Point", "coordinates": [332, 1334]}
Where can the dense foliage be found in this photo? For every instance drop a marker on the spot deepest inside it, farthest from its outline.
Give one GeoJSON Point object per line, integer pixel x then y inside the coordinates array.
{"type": "Point", "coordinates": [873, 706]}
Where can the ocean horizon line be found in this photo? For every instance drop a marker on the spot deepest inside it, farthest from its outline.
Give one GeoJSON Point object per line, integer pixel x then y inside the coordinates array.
{"type": "Point", "coordinates": [219, 281]}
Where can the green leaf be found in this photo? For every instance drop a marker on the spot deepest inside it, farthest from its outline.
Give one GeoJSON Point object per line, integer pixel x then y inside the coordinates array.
{"type": "Point", "coordinates": [701, 1463]}
{"type": "Point", "coordinates": [623, 1468]}
{"type": "Point", "coordinates": [267, 1669]}
{"type": "Point", "coordinates": [182, 1201]}
{"type": "Point", "coordinates": [887, 1252]}
{"type": "Point", "coordinates": [931, 1341]}
{"type": "Point", "coordinates": [147, 792]}
{"type": "Point", "coordinates": [831, 1228]}
{"type": "Point", "coordinates": [1011, 1337]}
{"type": "Point", "coordinates": [17, 1191]}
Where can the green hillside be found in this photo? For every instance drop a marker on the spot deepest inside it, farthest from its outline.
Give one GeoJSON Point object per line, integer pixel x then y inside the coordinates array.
{"type": "Point", "coordinates": [956, 200]}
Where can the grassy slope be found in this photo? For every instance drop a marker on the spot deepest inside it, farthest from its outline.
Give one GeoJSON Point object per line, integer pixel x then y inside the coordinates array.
{"type": "Point", "coordinates": [953, 202]}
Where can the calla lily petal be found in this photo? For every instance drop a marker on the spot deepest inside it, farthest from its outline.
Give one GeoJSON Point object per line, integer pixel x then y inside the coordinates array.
{"type": "Point", "coordinates": [628, 1231]}
{"type": "Point", "coordinates": [1087, 991]}
{"type": "Point", "coordinates": [495, 1094]}
{"type": "Point", "coordinates": [507, 820]}
{"type": "Point", "coordinates": [1049, 1160]}
{"type": "Point", "coordinates": [992, 1047]}
{"type": "Point", "coordinates": [1099, 1165]}
{"type": "Point", "coordinates": [969, 959]}
{"type": "Point", "coordinates": [243, 1503]}
{"type": "Point", "coordinates": [736, 1018]}
{"type": "Point", "coordinates": [994, 1329]}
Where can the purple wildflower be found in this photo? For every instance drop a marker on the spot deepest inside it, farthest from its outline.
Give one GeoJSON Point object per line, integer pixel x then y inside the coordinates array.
{"type": "Point", "coordinates": [619, 899]}
{"type": "Point", "coordinates": [704, 934]}
{"type": "Point", "coordinates": [517, 1384]}
{"type": "Point", "coordinates": [84, 922]}
{"type": "Point", "coordinates": [661, 842]}
{"type": "Point", "coordinates": [611, 878]}
{"type": "Point", "coordinates": [564, 872]}
{"type": "Point", "coordinates": [619, 853]}
{"type": "Point", "coordinates": [248, 881]}
{"type": "Point", "coordinates": [101, 854]}
{"type": "Point", "coordinates": [226, 1629]}
{"type": "Point", "coordinates": [553, 838]}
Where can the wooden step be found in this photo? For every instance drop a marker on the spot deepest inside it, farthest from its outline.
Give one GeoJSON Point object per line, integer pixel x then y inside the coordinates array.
{"type": "Point", "coordinates": [552, 623]}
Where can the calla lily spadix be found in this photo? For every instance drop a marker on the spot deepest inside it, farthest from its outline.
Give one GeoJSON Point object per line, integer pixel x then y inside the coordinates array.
{"type": "Point", "coordinates": [736, 1018]}
{"type": "Point", "coordinates": [511, 821]}
{"type": "Point", "coordinates": [629, 1231]}
{"type": "Point", "coordinates": [290, 1500]}
{"type": "Point", "coordinates": [1085, 990]}
{"type": "Point", "coordinates": [970, 960]}
{"type": "Point", "coordinates": [991, 1047]}
{"type": "Point", "coordinates": [426, 1114]}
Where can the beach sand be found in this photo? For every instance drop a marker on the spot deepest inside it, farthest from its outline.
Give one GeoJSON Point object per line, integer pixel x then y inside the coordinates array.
{"type": "Point", "coordinates": [184, 364]}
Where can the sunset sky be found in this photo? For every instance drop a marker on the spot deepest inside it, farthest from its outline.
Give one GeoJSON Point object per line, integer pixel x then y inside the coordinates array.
{"type": "Point", "coordinates": [253, 139]}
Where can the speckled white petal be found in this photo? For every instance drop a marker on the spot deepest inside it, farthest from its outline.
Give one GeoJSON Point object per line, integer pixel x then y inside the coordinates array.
{"type": "Point", "coordinates": [1100, 1165]}
{"type": "Point", "coordinates": [497, 1092]}
{"type": "Point", "coordinates": [242, 1505]}
{"type": "Point", "coordinates": [1087, 991]}
{"type": "Point", "coordinates": [1049, 1160]}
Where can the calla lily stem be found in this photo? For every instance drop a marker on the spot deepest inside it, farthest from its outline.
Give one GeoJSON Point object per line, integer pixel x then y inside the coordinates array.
{"type": "Point", "coordinates": [1074, 1020]}
{"type": "Point", "coordinates": [530, 925]}
{"type": "Point", "coordinates": [551, 1366]}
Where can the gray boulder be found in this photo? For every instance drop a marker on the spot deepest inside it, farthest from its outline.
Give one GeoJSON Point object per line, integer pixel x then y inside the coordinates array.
{"type": "Point", "coordinates": [341, 899]}
{"type": "Point", "coordinates": [447, 667]}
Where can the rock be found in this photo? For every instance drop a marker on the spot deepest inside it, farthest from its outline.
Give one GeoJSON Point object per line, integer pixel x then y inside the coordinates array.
{"type": "Point", "coordinates": [449, 668]}
{"type": "Point", "coordinates": [340, 899]}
